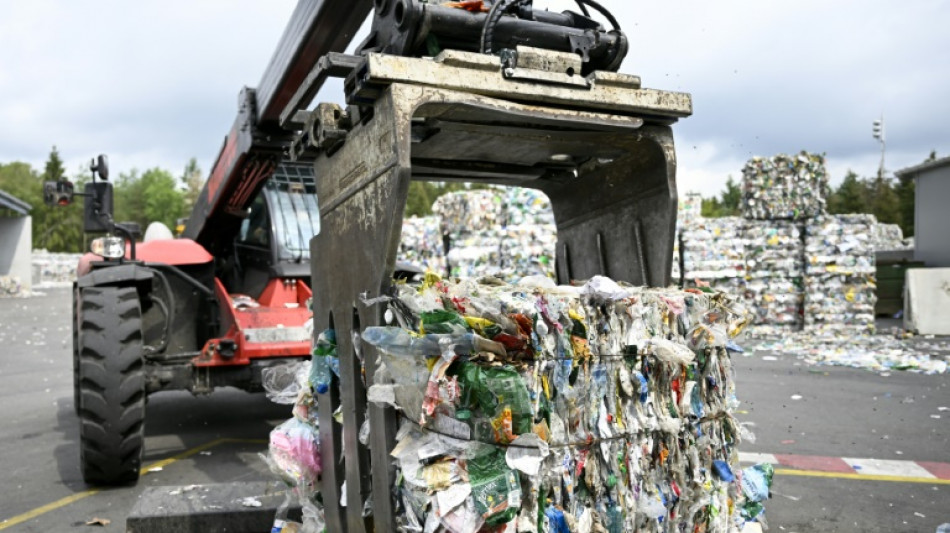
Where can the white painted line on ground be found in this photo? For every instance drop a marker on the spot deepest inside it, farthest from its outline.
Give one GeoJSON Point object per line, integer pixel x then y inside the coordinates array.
{"type": "Point", "coordinates": [885, 467]}
{"type": "Point", "coordinates": [755, 458]}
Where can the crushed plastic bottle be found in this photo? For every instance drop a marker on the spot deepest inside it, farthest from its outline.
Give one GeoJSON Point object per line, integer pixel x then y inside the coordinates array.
{"type": "Point", "coordinates": [397, 341]}
{"type": "Point", "coordinates": [324, 355]}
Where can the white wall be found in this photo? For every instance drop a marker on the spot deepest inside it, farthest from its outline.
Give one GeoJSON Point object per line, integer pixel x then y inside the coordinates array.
{"type": "Point", "coordinates": [932, 223]}
{"type": "Point", "coordinates": [16, 236]}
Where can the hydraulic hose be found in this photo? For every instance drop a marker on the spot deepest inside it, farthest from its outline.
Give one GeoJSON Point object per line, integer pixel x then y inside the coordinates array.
{"type": "Point", "coordinates": [167, 309]}
{"type": "Point", "coordinates": [603, 11]}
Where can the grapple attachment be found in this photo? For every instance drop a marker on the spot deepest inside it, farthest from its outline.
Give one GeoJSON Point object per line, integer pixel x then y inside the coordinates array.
{"type": "Point", "coordinates": [599, 146]}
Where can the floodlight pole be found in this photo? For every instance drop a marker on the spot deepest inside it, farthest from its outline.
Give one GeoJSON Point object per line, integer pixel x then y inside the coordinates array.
{"type": "Point", "coordinates": [878, 131]}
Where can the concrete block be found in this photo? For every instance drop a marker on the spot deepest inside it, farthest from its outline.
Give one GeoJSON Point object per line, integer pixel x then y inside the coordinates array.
{"type": "Point", "coordinates": [228, 507]}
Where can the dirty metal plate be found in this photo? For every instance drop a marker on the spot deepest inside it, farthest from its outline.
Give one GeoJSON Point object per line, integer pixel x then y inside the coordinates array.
{"type": "Point", "coordinates": [456, 71]}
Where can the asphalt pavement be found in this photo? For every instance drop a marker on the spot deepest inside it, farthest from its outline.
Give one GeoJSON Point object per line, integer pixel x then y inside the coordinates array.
{"type": "Point", "coordinates": [830, 416]}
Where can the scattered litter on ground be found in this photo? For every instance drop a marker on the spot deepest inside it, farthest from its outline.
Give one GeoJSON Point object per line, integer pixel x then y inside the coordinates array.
{"type": "Point", "coordinates": [180, 490]}
{"type": "Point", "coordinates": [12, 287]}
{"type": "Point", "coordinates": [251, 501]}
{"type": "Point", "coordinates": [878, 353]}
{"type": "Point", "coordinates": [96, 521]}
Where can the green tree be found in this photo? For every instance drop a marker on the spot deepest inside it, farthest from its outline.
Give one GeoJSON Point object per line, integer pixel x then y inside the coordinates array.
{"type": "Point", "coordinates": [883, 201]}
{"type": "Point", "coordinates": [129, 194]}
{"type": "Point", "coordinates": [149, 197]}
{"type": "Point", "coordinates": [419, 202]}
{"type": "Point", "coordinates": [20, 180]}
{"type": "Point", "coordinates": [193, 181]}
{"type": "Point", "coordinates": [57, 228]}
{"type": "Point", "coordinates": [152, 196]}
{"type": "Point", "coordinates": [164, 202]}
{"type": "Point", "coordinates": [711, 208]}
{"type": "Point", "coordinates": [727, 204]}
{"type": "Point", "coordinates": [850, 197]}
{"type": "Point", "coordinates": [54, 166]}
{"type": "Point", "coordinates": [731, 198]}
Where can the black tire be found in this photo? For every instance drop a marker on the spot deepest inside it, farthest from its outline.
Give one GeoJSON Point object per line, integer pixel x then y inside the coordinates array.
{"type": "Point", "coordinates": [76, 394]}
{"type": "Point", "coordinates": [112, 386]}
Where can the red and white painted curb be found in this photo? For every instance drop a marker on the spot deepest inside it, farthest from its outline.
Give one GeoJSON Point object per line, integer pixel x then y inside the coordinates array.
{"type": "Point", "coordinates": [919, 470]}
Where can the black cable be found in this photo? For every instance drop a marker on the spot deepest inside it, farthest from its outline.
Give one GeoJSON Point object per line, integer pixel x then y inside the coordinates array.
{"type": "Point", "coordinates": [603, 11]}
{"type": "Point", "coordinates": [488, 30]}
{"type": "Point", "coordinates": [583, 8]}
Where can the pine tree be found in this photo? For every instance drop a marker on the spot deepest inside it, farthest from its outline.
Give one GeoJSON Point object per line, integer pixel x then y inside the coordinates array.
{"type": "Point", "coordinates": [850, 197]}
{"type": "Point", "coordinates": [57, 228]}
{"type": "Point", "coordinates": [54, 166]}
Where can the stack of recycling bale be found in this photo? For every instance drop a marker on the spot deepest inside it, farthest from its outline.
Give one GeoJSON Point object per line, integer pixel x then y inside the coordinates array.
{"type": "Point", "coordinates": [421, 243]}
{"type": "Point", "coordinates": [784, 187]}
{"type": "Point", "coordinates": [565, 409]}
{"type": "Point", "coordinates": [801, 267]}
{"type": "Point", "coordinates": [688, 213]}
{"type": "Point", "coordinates": [503, 232]}
{"type": "Point", "coordinates": [51, 269]}
{"type": "Point", "coordinates": [779, 194]}
{"type": "Point", "coordinates": [714, 251]}
{"type": "Point", "coordinates": [774, 288]}
{"type": "Point", "coordinates": [840, 283]}
{"type": "Point", "coordinates": [887, 237]}
{"type": "Point", "coordinates": [529, 237]}
{"type": "Point", "coordinates": [471, 221]}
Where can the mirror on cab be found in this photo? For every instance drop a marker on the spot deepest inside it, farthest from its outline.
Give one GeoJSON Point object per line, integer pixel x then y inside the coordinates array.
{"type": "Point", "coordinates": [101, 165]}
{"type": "Point", "coordinates": [58, 193]}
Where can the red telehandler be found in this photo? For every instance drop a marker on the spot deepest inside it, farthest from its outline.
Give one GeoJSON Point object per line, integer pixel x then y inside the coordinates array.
{"type": "Point", "coordinates": [307, 197]}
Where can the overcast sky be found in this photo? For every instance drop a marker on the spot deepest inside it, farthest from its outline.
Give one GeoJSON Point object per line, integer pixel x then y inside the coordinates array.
{"type": "Point", "coordinates": [154, 83]}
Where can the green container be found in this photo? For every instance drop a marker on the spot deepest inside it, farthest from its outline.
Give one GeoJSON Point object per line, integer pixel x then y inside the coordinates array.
{"type": "Point", "coordinates": [890, 284]}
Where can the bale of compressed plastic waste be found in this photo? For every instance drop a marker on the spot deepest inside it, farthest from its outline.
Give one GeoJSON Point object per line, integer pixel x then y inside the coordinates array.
{"type": "Point", "coordinates": [421, 243]}
{"type": "Point", "coordinates": [506, 232]}
{"type": "Point", "coordinates": [840, 283]}
{"type": "Point", "coordinates": [886, 237]}
{"type": "Point", "coordinates": [774, 289]}
{"type": "Point", "coordinates": [784, 187]}
{"type": "Point", "coordinates": [688, 214]}
{"type": "Point", "coordinates": [53, 269]}
{"type": "Point", "coordinates": [714, 252]}
{"type": "Point", "coordinates": [552, 409]}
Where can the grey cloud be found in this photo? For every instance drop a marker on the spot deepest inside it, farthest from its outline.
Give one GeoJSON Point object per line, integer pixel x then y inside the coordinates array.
{"type": "Point", "coordinates": [160, 80]}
